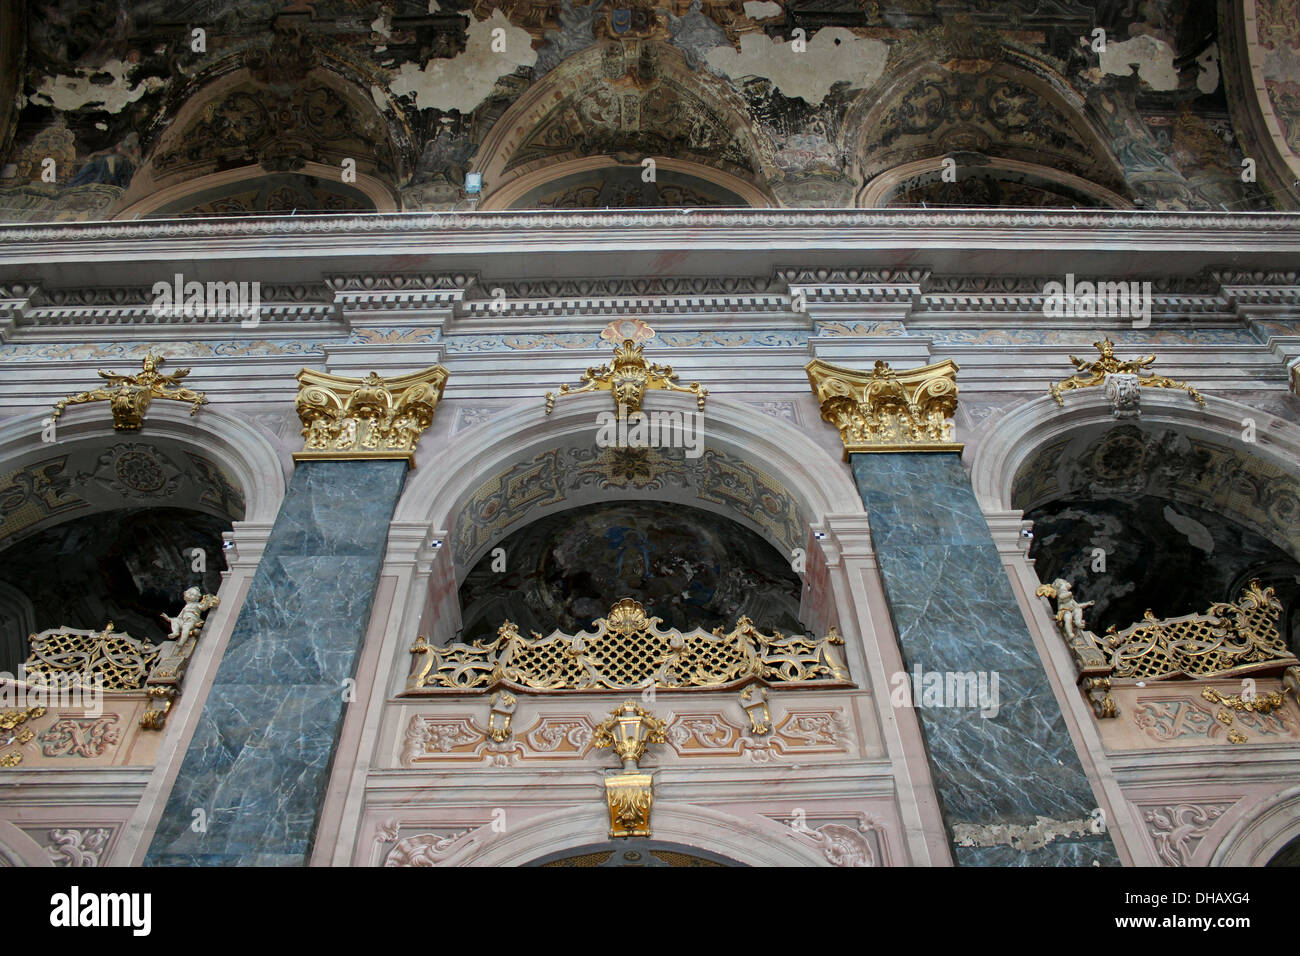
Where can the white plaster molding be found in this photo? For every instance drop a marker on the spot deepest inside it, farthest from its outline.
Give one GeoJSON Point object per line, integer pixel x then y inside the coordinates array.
{"type": "Point", "coordinates": [1021, 431]}
{"type": "Point", "coordinates": [238, 446]}
{"type": "Point", "coordinates": [753, 840]}
{"type": "Point", "coordinates": [1261, 832]}
{"type": "Point", "coordinates": [818, 481]}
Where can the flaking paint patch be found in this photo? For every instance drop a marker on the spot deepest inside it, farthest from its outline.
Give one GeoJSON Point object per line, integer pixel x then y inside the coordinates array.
{"type": "Point", "coordinates": [834, 54]}
{"type": "Point", "coordinates": [1154, 59]}
{"type": "Point", "coordinates": [1207, 80]}
{"type": "Point", "coordinates": [761, 9]}
{"type": "Point", "coordinates": [68, 93]}
{"type": "Point", "coordinates": [465, 80]}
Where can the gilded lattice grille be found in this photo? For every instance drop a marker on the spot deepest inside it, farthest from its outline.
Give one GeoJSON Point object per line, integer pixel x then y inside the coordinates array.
{"type": "Point", "coordinates": [80, 657]}
{"type": "Point", "coordinates": [627, 651]}
{"type": "Point", "coordinates": [1228, 637]}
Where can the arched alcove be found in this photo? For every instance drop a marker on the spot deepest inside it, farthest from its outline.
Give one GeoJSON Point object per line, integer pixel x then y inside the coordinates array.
{"type": "Point", "coordinates": [975, 179]}
{"type": "Point", "coordinates": [619, 103]}
{"type": "Point", "coordinates": [522, 466]}
{"type": "Point", "coordinates": [689, 567]}
{"type": "Point", "coordinates": [653, 853]}
{"type": "Point", "coordinates": [259, 136]}
{"type": "Point", "coordinates": [1175, 506]}
{"type": "Point", "coordinates": [1015, 129]}
{"type": "Point", "coordinates": [116, 517]}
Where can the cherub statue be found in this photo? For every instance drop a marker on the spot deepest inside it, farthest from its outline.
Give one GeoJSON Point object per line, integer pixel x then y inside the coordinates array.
{"type": "Point", "coordinates": [1069, 612]}
{"type": "Point", "coordinates": [190, 619]}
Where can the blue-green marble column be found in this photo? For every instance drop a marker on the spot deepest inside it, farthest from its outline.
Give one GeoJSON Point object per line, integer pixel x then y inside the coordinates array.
{"type": "Point", "coordinates": [260, 759]}
{"type": "Point", "coordinates": [954, 612]}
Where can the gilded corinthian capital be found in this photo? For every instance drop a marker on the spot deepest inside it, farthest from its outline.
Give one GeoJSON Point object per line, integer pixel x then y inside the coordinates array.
{"type": "Point", "coordinates": [371, 417]}
{"type": "Point", "coordinates": [885, 410]}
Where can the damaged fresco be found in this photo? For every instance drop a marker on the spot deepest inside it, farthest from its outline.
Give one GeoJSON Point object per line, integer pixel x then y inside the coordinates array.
{"type": "Point", "coordinates": [176, 107]}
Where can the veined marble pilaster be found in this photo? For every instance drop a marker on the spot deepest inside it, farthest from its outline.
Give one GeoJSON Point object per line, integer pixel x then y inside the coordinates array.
{"type": "Point", "coordinates": [260, 758]}
{"type": "Point", "coordinates": [999, 777]}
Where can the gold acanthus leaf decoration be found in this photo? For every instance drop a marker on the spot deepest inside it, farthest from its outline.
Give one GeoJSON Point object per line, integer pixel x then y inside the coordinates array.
{"type": "Point", "coordinates": [373, 417]}
{"type": "Point", "coordinates": [886, 410]}
{"type": "Point", "coordinates": [129, 395]}
{"type": "Point", "coordinates": [628, 379]}
{"type": "Point", "coordinates": [1093, 374]}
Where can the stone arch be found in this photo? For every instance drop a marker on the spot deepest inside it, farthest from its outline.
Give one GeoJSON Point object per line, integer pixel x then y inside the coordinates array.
{"type": "Point", "coordinates": [18, 849]}
{"type": "Point", "coordinates": [244, 454]}
{"type": "Point", "coordinates": [816, 481]}
{"type": "Point", "coordinates": [1024, 431]}
{"type": "Point", "coordinates": [752, 841]}
{"type": "Point", "coordinates": [1261, 831]}
{"type": "Point", "coordinates": [237, 127]}
{"type": "Point", "coordinates": [706, 121]}
{"type": "Point", "coordinates": [900, 181]}
{"type": "Point", "coordinates": [516, 452]}
{"type": "Point", "coordinates": [718, 187]}
{"type": "Point", "coordinates": [985, 110]}
{"type": "Point", "coordinates": [123, 496]}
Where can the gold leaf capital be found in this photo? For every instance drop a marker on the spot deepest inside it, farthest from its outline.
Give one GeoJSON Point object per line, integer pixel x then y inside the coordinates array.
{"type": "Point", "coordinates": [371, 417]}
{"type": "Point", "coordinates": [888, 410]}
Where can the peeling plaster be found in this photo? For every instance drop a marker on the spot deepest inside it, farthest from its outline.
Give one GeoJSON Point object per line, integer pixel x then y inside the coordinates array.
{"type": "Point", "coordinates": [464, 81]}
{"type": "Point", "coordinates": [761, 9]}
{"type": "Point", "coordinates": [1153, 58]}
{"type": "Point", "coordinates": [67, 93]}
{"type": "Point", "coordinates": [1207, 80]}
{"type": "Point", "coordinates": [1043, 831]}
{"type": "Point", "coordinates": [834, 54]}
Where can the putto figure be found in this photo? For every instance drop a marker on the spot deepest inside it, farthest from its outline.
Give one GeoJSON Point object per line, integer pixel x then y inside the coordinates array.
{"type": "Point", "coordinates": [190, 619]}
{"type": "Point", "coordinates": [1069, 611]}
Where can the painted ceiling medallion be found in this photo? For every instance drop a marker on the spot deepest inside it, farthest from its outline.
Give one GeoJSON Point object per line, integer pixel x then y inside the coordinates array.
{"type": "Point", "coordinates": [129, 396]}
{"type": "Point", "coordinates": [885, 410]}
{"type": "Point", "coordinates": [375, 417]}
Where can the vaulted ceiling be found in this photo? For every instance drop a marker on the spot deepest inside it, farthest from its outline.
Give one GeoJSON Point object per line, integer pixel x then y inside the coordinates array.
{"type": "Point", "coordinates": [209, 107]}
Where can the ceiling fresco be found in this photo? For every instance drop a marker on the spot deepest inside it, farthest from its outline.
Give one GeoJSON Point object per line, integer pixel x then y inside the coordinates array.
{"type": "Point", "coordinates": [129, 108]}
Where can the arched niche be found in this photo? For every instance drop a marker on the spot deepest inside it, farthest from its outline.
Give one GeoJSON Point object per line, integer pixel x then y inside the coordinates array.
{"type": "Point", "coordinates": [252, 139]}
{"type": "Point", "coordinates": [749, 841]}
{"type": "Point", "coordinates": [600, 181]}
{"type": "Point", "coordinates": [218, 469]}
{"type": "Point", "coordinates": [638, 852]}
{"type": "Point", "coordinates": [523, 465]}
{"type": "Point", "coordinates": [1165, 491]}
{"type": "Point", "coordinates": [1018, 123]}
{"type": "Point", "coordinates": [625, 102]}
{"type": "Point", "coordinates": [688, 567]}
{"type": "Point", "coordinates": [982, 180]}
{"type": "Point", "coordinates": [1261, 832]}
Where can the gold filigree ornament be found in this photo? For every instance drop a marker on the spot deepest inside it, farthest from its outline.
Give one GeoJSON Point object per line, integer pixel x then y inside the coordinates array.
{"type": "Point", "coordinates": [628, 379]}
{"type": "Point", "coordinates": [885, 410]}
{"type": "Point", "coordinates": [1093, 374]}
{"type": "Point", "coordinates": [128, 396]}
{"type": "Point", "coordinates": [13, 732]}
{"type": "Point", "coordinates": [1234, 640]}
{"type": "Point", "coordinates": [371, 417]}
{"type": "Point", "coordinates": [630, 793]}
{"type": "Point", "coordinates": [627, 651]}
